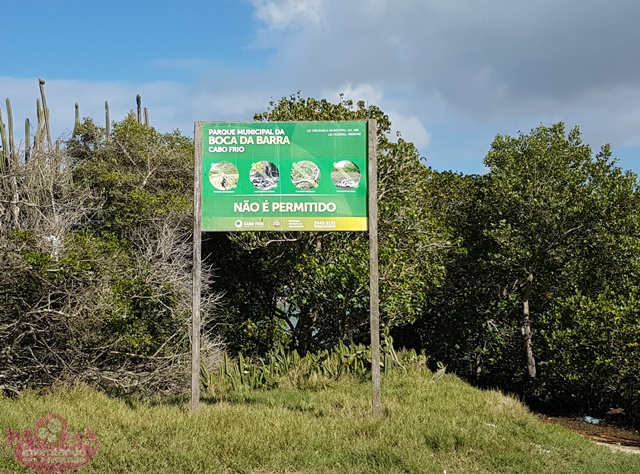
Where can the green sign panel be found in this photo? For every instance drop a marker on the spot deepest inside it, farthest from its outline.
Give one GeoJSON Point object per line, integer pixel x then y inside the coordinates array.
{"type": "Point", "coordinates": [284, 176]}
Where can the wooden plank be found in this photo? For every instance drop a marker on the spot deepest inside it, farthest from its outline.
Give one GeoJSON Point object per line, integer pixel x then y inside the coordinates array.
{"type": "Point", "coordinates": [197, 270]}
{"type": "Point", "coordinates": [374, 308]}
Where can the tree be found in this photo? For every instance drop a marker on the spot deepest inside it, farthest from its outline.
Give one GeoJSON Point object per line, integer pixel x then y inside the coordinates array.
{"type": "Point", "coordinates": [552, 235]}
{"type": "Point", "coordinates": [543, 195]}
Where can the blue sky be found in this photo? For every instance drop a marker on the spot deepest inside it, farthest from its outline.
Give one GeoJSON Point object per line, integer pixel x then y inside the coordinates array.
{"type": "Point", "coordinates": [451, 75]}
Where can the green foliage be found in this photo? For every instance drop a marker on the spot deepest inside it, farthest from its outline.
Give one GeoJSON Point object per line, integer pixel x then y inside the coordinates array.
{"type": "Point", "coordinates": [86, 140]}
{"type": "Point", "coordinates": [143, 175]}
{"type": "Point", "coordinates": [146, 178]}
{"type": "Point", "coordinates": [143, 312]}
{"type": "Point", "coordinates": [315, 369]}
{"type": "Point", "coordinates": [551, 211]}
{"type": "Point", "coordinates": [591, 351]}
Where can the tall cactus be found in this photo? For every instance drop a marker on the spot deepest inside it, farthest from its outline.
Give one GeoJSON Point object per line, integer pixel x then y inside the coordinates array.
{"type": "Point", "coordinates": [4, 163]}
{"type": "Point", "coordinates": [10, 163]}
{"type": "Point", "coordinates": [146, 117]}
{"type": "Point", "coordinates": [11, 152]}
{"type": "Point", "coordinates": [139, 104]}
{"type": "Point", "coordinates": [4, 167]}
{"type": "Point", "coordinates": [47, 128]}
{"type": "Point", "coordinates": [38, 139]}
{"type": "Point", "coordinates": [107, 121]}
{"type": "Point", "coordinates": [27, 140]}
{"type": "Point", "coordinates": [77, 121]}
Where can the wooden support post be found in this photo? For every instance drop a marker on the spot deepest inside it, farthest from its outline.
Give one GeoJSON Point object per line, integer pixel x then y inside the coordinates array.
{"type": "Point", "coordinates": [197, 271]}
{"type": "Point", "coordinates": [374, 309]}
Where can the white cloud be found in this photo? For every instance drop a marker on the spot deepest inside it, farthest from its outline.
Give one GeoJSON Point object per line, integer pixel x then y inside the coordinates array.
{"type": "Point", "coordinates": [411, 129]}
{"type": "Point", "coordinates": [410, 126]}
{"type": "Point", "coordinates": [280, 14]}
{"type": "Point", "coordinates": [366, 92]}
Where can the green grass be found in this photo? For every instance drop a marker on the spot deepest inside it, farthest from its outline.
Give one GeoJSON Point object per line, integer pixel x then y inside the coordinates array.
{"type": "Point", "coordinates": [427, 427]}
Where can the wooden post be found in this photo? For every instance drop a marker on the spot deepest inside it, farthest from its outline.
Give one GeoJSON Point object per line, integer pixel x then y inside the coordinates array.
{"type": "Point", "coordinates": [526, 327]}
{"type": "Point", "coordinates": [197, 270]}
{"type": "Point", "coordinates": [374, 309]}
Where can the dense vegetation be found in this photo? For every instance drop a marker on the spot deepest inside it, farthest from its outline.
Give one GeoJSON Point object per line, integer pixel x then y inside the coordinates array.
{"type": "Point", "coordinates": [96, 245]}
{"type": "Point", "coordinates": [543, 299]}
{"type": "Point", "coordinates": [524, 278]}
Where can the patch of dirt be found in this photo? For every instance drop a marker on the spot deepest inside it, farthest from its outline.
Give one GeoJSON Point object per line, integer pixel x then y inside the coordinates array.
{"type": "Point", "coordinates": [615, 437]}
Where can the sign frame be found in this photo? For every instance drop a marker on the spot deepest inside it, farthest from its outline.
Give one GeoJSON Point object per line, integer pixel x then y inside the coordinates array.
{"type": "Point", "coordinates": [369, 217]}
{"type": "Point", "coordinates": [284, 176]}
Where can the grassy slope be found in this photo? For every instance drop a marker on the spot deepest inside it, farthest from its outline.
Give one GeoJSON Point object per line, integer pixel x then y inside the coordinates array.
{"type": "Point", "coordinates": [428, 427]}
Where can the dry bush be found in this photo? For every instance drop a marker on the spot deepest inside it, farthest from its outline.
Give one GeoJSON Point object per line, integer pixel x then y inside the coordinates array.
{"type": "Point", "coordinates": [78, 306]}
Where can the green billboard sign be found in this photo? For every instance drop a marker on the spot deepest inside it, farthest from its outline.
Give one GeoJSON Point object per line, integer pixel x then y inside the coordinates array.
{"type": "Point", "coordinates": [283, 176]}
